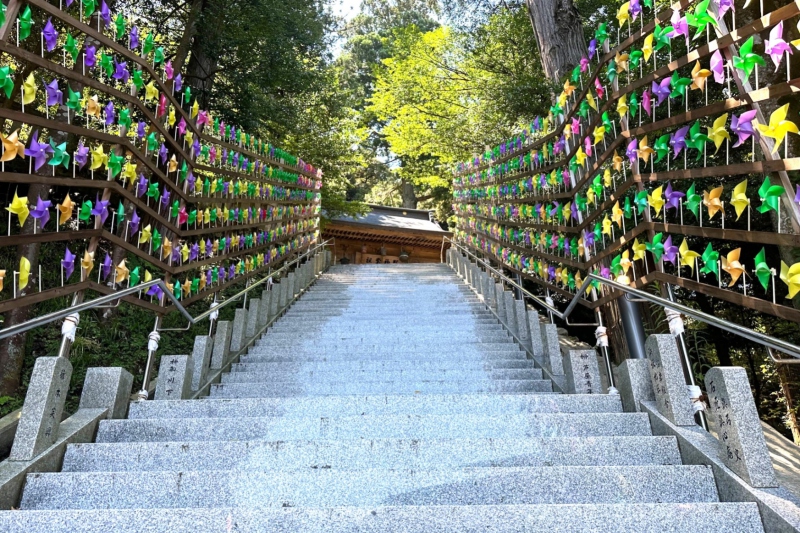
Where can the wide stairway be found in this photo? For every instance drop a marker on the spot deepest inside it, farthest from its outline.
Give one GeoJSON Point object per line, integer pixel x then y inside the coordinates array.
{"type": "Point", "coordinates": [387, 399]}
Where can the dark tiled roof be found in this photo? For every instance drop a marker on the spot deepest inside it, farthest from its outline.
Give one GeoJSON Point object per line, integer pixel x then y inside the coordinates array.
{"type": "Point", "coordinates": [396, 217]}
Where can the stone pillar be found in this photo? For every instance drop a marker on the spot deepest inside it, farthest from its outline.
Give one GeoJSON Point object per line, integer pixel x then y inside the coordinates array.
{"type": "Point", "coordinates": [501, 301]}
{"type": "Point", "coordinates": [634, 384]}
{"type": "Point", "coordinates": [252, 319]}
{"type": "Point", "coordinates": [521, 313]}
{"type": "Point", "coordinates": [580, 367]}
{"type": "Point", "coordinates": [263, 311]}
{"type": "Point", "coordinates": [37, 428]}
{"type": "Point", "coordinates": [535, 330]}
{"type": "Point", "coordinates": [275, 300]}
{"type": "Point", "coordinates": [669, 384]}
{"type": "Point", "coordinates": [511, 314]}
{"type": "Point", "coordinates": [284, 295]}
{"type": "Point", "coordinates": [489, 292]}
{"type": "Point", "coordinates": [741, 440]}
{"type": "Point", "coordinates": [174, 377]}
{"type": "Point", "coordinates": [239, 323]}
{"type": "Point", "coordinates": [107, 388]}
{"type": "Point", "coordinates": [551, 359]}
{"type": "Point", "coordinates": [222, 343]}
{"type": "Point", "coordinates": [291, 285]}
{"type": "Point", "coordinates": [201, 360]}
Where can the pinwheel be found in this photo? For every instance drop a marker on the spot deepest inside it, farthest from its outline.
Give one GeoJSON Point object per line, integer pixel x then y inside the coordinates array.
{"type": "Point", "coordinates": [29, 90]}
{"type": "Point", "coordinates": [42, 211]}
{"type": "Point", "coordinates": [763, 272]}
{"type": "Point", "coordinates": [592, 49]}
{"type": "Point", "coordinates": [639, 248]}
{"type": "Point", "coordinates": [622, 106]}
{"type": "Point", "coordinates": [632, 152]}
{"type": "Point", "coordinates": [791, 277]}
{"type": "Point", "coordinates": [717, 132]}
{"type": "Point", "coordinates": [710, 260]}
{"type": "Point", "coordinates": [90, 57]}
{"type": "Point", "coordinates": [599, 134]}
{"type": "Point", "coordinates": [678, 85]}
{"type": "Point", "coordinates": [700, 18]}
{"type": "Point", "coordinates": [661, 90]}
{"type": "Point", "coordinates": [65, 209]}
{"type": "Point", "coordinates": [134, 222]}
{"type": "Point", "coordinates": [71, 47]}
{"type": "Point", "coordinates": [656, 200]}
{"type": "Point", "coordinates": [647, 102]}
{"type": "Point", "coordinates": [697, 140]}
{"type": "Point", "coordinates": [19, 207]}
{"type": "Point", "coordinates": [607, 178]}
{"type": "Point", "coordinates": [673, 198]}
{"type": "Point", "coordinates": [718, 67]}
{"type": "Point", "coordinates": [662, 36]}
{"type": "Point", "coordinates": [647, 47]}
{"type": "Point", "coordinates": [616, 215]}
{"type": "Point", "coordinates": [670, 251]}
{"type": "Point", "coordinates": [156, 241]}
{"type": "Point", "coordinates": [747, 60]}
{"type": "Point", "coordinates": [24, 271]}
{"type": "Point", "coordinates": [739, 199]}
{"type": "Point", "coordinates": [775, 46]}
{"type": "Point", "coordinates": [678, 141]}
{"type": "Point", "coordinates": [712, 201]}
{"type": "Point", "coordinates": [60, 155]}
{"type": "Point", "coordinates": [85, 212]}
{"type": "Point", "coordinates": [121, 272]}
{"type": "Point", "coordinates": [25, 24]}
{"type": "Point", "coordinates": [50, 36]}
{"type": "Point", "coordinates": [732, 266]}
{"type": "Point", "coordinates": [607, 226]}
{"type": "Point", "coordinates": [699, 76]}
{"type": "Point", "coordinates": [6, 81]}
{"type": "Point", "coordinates": [101, 210]}
{"type": "Point", "coordinates": [634, 104]}
{"type": "Point", "coordinates": [151, 93]}
{"type": "Point", "coordinates": [107, 64]}
{"type": "Point", "coordinates": [99, 157]}
{"type": "Point", "coordinates": [147, 45]}
{"type": "Point", "coordinates": [38, 151]}
{"type": "Point", "coordinates": [679, 25]}
{"type": "Point", "coordinates": [73, 99]}
{"type": "Point", "coordinates": [693, 200]}
{"type": "Point", "coordinates": [656, 247]}
{"type": "Point", "coordinates": [770, 196]}
{"type": "Point", "coordinates": [778, 126]}
{"type": "Point", "coordinates": [601, 34]}
{"type": "Point", "coordinates": [645, 150]}
{"type": "Point", "coordinates": [623, 14]}
{"type": "Point", "coordinates": [54, 95]}
{"type": "Point", "coordinates": [12, 147]}
{"type": "Point", "coordinates": [662, 147]}
{"type": "Point", "coordinates": [146, 234]}
{"type": "Point", "coordinates": [742, 126]}
{"type": "Point", "coordinates": [68, 263]}
{"type": "Point", "coordinates": [93, 107]}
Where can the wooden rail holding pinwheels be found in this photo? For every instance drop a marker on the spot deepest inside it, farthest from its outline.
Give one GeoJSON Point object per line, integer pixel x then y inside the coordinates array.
{"type": "Point", "coordinates": [127, 165]}
{"type": "Point", "coordinates": [624, 175]}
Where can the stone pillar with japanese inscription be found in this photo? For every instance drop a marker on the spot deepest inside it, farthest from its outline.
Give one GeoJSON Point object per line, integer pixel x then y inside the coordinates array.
{"type": "Point", "coordinates": [741, 440]}
{"type": "Point", "coordinates": [669, 383]}
{"type": "Point", "coordinates": [580, 367]}
{"type": "Point", "coordinates": [174, 377]}
{"type": "Point", "coordinates": [44, 404]}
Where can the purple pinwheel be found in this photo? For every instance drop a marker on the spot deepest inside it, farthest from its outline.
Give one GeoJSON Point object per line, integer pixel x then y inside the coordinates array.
{"type": "Point", "coordinates": [121, 72]}
{"type": "Point", "coordinates": [225, 186]}
{"type": "Point", "coordinates": [110, 114]}
{"type": "Point", "coordinates": [224, 155]}
{"type": "Point", "coordinates": [162, 153]}
{"type": "Point", "coordinates": [105, 14]}
{"type": "Point", "coordinates": [140, 130]}
{"type": "Point", "coordinates": [742, 126]}
{"type": "Point", "coordinates": [168, 70]}
{"type": "Point", "coordinates": [232, 271]}
{"type": "Point", "coordinates": [178, 83]}
{"type": "Point", "coordinates": [632, 151]}
{"type": "Point", "coordinates": [592, 48]}
{"type": "Point", "coordinates": [223, 274]}
{"type": "Point", "coordinates": [797, 195]}
{"type": "Point", "coordinates": [573, 211]}
{"type": "Point", "coordinates": [678, 141]}
{"type": "Point", "coordinates": [105, 266]}
{"type": "Point", "coordinates": [605, 272]}
{"type": "Point", "coordinates": [133, 38]}
{"type": "Point", "coordinates": [54, 95]}
{"type": "Point", "coordinates": [193, 251]}
{"type": "Point", "coordinates": [135, 220]}
{"type": "Point", "coordinates": [89, 57]}
{"type": "Point", "coordinates": [227, 243]}
{"type": "Point", "coordinates": [50, 36]}
{"type": "Point", "coordinates": [42, 211]}
{"type": "Point", "coordinates": [101, 210]}
{"type": "Point", "coordinates": [156, 291]}
{"type": "Point", "coordinates": [68, 263]}
{"type": "Point", "coordinates": [635, 8]}
{"type": "Point", "coordinates": [165, 197]}
{"type": "Point", "coordinates": [551, 272]}
{"type": "Point", "coordinates": [565, 246]}
{"type": "Point", "coordinates": [233, 133]}
{"type": "Point", "coordinates": [554, 210]}
{"type": "Point", "coordinates": [38, 151]}
{"type": "Point", "coordinates": [190, 179]}
{"type": "Point", "coordinates": [718, 67]}
{"type": "Point", "coordinates": [542, 180]}
{"type": "Point", "coordinates": [141, 186]}
{"type": "Point", "coordinates": [647, 102]}
{"type": "Point", "coordinates": [176, 255]}
{"type": "Point", "coordinates": [661, 90]}
{"type": "Point", "coordinates": [537, 124]}
{"type": "Point", "coordinates": [208, 277]}
{"type": "Point", "coordinates": [670, 251]}
{"type": "Point", "coordinates": [236, 160]}
{"type": "Point", "coordinates": [81, 155]}
{"type": "Point", "coordinates": [673, 198]}
{"type": "Point", "coordinates": [679, 26]}
{"type": "Point", "coordinates": [725, 6]}
{"type": "Point", "coordinates": [775, 46]}
{"type": "Point", "coordinates": [588, 238]}
{"type": "Point", "coordinates": [208, 248]}
{"type": "Point", "coordinates": [196, 147]}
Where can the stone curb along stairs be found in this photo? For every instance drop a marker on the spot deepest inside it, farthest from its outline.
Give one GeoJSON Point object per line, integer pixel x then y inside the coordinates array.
{"type": "Point", "coordinates": [387, 399]}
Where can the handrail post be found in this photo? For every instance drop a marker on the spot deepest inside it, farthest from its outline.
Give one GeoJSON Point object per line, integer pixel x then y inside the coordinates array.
{"type": "Point", "coordinates": [152, 347]}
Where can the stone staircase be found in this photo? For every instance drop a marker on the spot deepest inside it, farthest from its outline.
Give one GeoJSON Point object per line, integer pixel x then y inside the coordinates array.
{"type": "Point", "coordinates": [387, 399]}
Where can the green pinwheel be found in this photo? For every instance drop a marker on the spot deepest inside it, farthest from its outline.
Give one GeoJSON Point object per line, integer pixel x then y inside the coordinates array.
{"type": "Point", "coordinates": [571, 280]}
{"type": "Point", "coordinates": [147, 45]}
{"type": "Point", "coordinates": [747, 60]}
{"type": "Point", "coordinates": [770, 196]}
{"type": "Point", "coordinates": [634, 58]}
{"type": "Point", "coordinates": [678, 85]}
{"type": "Point", "coordinates": [71, 47]}
{"type": "Point", "coordinates": [187, 94]}
{"type": "Point", "coordinates": [124, 118]}
{"type": "Point", "coordinates": [176, 207]}
{"type": "Point", "coordinates": [641, 202]}
{"type": "Point", "coordinates": [183, 171]}
{"type": "Point", "coordinates": [616, 266]}
{"type": "Point", "coordinates": [607, 122]}
{"type": "Point", "coordinates": [611, 71]}
{"type": "Point", "coordinates": [206, 187]}
{"type": "Point", "coordinates": [25, 24]}
{"type": "Point", "coordinates": [597, 186]}
{"type": "Point", "coordinates": [6, 81]}
{"type": "Point", "coordinates": [134, 277]}
{"type": "Point", "coordinates": [598, 230]}
{"type": "Point", "coordinates": [656, 247]}
{"type": "Point", "coordinates": [573, 246]}
{"type": "Point", "coordinates": [573, 166]}
{"type": "Point", "coordinates": [662, 36]}
{"type": "Point", "coordinates": [177, 289]}
{"type": "Point", "coordinates": [88, 8]}
{"type": "Point", "coordinates": [119, 25]}
{"type": "Point", "coordinates": [60, 155]}
{"type": "Point", "coordinates": [2, 14]}
{"type": "Point", "coordinates": [576, 76]}
{"type": "Point", "coordinates": [763, 272]}
{"type": "Point", "coordinates": [580, 202]}
{"type": "Point", "coordinates": [697, 139]}
{"type": "Point", "coordinates": [195, 287]}
{"type": "Point", "coordinates": [213, 215]}
{"type": "Point", "coordinates": [693, 200]}
{"type": "Point", "coordinates": [192, 217]}
{"type": "Point", "coordinates": [85, 212]}
{"type": "Point", "coordinates": [556, 110]}
{"type": "Point", "coordinates": [583, 110]}
{"type": "Point", "coordinates": [601, 34]}
{"type": "Point", "coordinates": [159, 56]}
{"type": "Point", "coordinates": [107, 64]}
{"type": "Point", "coordinates": [627, 210]}
{"type": "Point", "coordinates": [152, 191]}
{"type": "Point", "coordinates": [120, 211]}
{"type": "Point", "coordinates": [138, 82]}
{"type": "Point", "coordinates": [114, 163]}
{"type": "Point", "coordinates": [73, 99]}
{"type": "Point", "coordinates": [633, 104]}
{"type": "Point", "coordinates": [710, 260]}
{"type": "Point", "coordinates": [700, 18]}
{"type": "Point", "coordinates": [156, 240]}
{"type": "Point", "coordinates": [152, 142]}
{"type": "Point", "coordinates": [661, 147]}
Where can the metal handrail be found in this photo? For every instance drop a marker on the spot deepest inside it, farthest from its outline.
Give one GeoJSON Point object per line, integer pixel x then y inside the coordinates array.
{"type": "Point", "coordinates": [770, 343]}
{"type": "Point", "coordinates": [63, 313]}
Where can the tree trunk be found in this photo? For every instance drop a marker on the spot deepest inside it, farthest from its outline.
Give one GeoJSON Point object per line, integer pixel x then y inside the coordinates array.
{"type": "Point", "coordinates": [408, 195]}
{"type": "Point", "coordinates": [559, 34]}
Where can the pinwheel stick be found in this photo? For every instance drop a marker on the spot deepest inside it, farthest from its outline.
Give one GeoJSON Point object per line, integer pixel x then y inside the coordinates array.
{"type": "Point", "coordinates": [719, 277]}
{"type": "Point", "coordinates": [722, 212]}
{"type": "Point", "coordinates": [9, 223]}
{"type": "Point", "coordinates": [697, 270]}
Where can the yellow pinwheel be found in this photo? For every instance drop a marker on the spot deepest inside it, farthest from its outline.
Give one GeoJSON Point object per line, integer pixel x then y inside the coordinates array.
{"type": "Point", "coordinates": [87, 263]}
{"type": "Point", "coordinates": [147, 276]}
{"type": "Point", "coordinates": [590, 99]}
{"type": "Point", "coordinates": [580, 156]}
{"type": "Point", "coordinates": [645, 150]}
{"type": "Point", "coordinates": [2, 277]}
{"type": "Point", "coordinates": [19, 207]}
{"type": "Point", "coordinates": [12, 147]}
{"type": "Point", "coordinates": [778, 126]}
{"type": "Point", "coordinates": [622, 105]}
{"type": "Point", "coordinates": [607, 226]}
{"type": "Point", "coordinates": [150, 92]}
{"type": "Point", "coordinates": [647, 47]}
{"type": "Point", "coordinates": [739, 199]}
{"type": "Point", "coordinates": [206, 216]}
{"type": "Point", "coordinates": [568, 131]}
{"type": "Point", "coordinates": [607, 178]}
{"type": "Point", "coordinates": [128, 172]}
{"type": "Point", "coordinates": [189, 137]}
{"type": "Point", "coordinates": [590, 196]}
{"type": "Point", "coordinates": [29, 90]}
{"type": "Point", "coordinates": [790, 275]}
{"type": "Point", "coordinates": [65, 209]}
{"type": "Point", "coordinates": [625, 261]}
{"type": "Point", "coordinates": [568, 88]}
{"type": "Point", "coordinates": [717, 132]}
{"type": "Point", "coordinates": [621, 61]}
{"type": "Point", "coordinates": [688, 257]}
{"type": "Point", "coordinates": [166, 248]}
{"type": "Point", "coordinates": [656, 200]}
{"type": "Point", "coordinates": [699, 75]}
{"type": "Point", "coordinates": [732, 266]}
{"type": "Point", "coordinates": [599, 134]}
{"type": "Point", "coordinates": [24, 272]}
{"type": "Point", "coordinates": [146, 234]}
{"type": "Point", "coordinates": [99, 157]}
{"type": "Point", "coordinates": [185, 252]}
{"type": "Point", "coordinates": [562, 100]}
{"type": "Point", "coordinates": [616, 215]}
{"type": "Point", "coordinates": [712, 201]}
{"type": "Point", "coordinates": [187, 287]}
{"type": "Point", "coordinates": [639, 249]}
{"type": "Point", "coordinates": [171, 117]}
{"type": "Point", "coordinates": [623, 14]}
{"type": "Point", "coordinates": [173, 164]}
{"type": "Point", "coordinates": [121, 272]}
{"type": "Point", "coordinates": [617, 162]}
{"type": "Point", "coordinates": [203, 247]}
{"type": "Point", "coordinates": [195, 108]}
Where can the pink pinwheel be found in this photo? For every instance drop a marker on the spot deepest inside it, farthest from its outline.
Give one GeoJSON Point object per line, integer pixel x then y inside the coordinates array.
{"type": "Point", "coordinates": [678, 140]}
{"type": "Point", "coordinates": [181, 126]}
{"type": "Point", "coordinates": [718, 67]}
{"type": "Point", "coordinates": [775, 46]}
{"type": "Point", "coordinates": [38, 151]}
{"type": "Point", "coordinates": [672, 198]}
{"type": "Point", "coordinates": [742, 126]}
{"type": "Point", "coordinates": [54, 95]}
{"type": "Point", "coordinates": [202, 119]}
{"type": "Point", "coordinates": [679, 26]}
{"type": "Point", "coordinates": [661, 90]}
{"type": "Point", "coordinates": [168, 70]}
{"type": "Point", "coordinates": [162, 106]}
{"type": "Point", "coordinates": [50, 36]}
{"type": "Point", "coordinates": [182, 216]}
{"type": "Point", "coordinates": [587, 146]}
{"type": "Point", "coordinates": [633, 151]}
{"type": "Point", "coordinates": [725, 6]}
{"type": "Point", "coordinates": [647, 102]}
{"type": "Point", "coordinates": [598, 87]}
{"type": "Point", "coordinates": [584, 64]}
{"type": "Point", "coordinates": [68, 263]}
{"type": "Point", "coordinates": [670, 251]}
{"type": "Point", "coordinates": [212, 154]}
{"type": "Point", "coordinates": [42, 211]}
{"type": "Point", "coordinates": [576, 125]}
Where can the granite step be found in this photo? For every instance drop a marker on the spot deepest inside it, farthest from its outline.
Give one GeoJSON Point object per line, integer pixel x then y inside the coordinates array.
{"type": "Point", "coordinates": [497, 350]}
{"type": "Point", "coordinates": [376, 427]}
{"type": "Point", "coordinates": [405, 386]}
{"type": "Point", "coordinates": [362, 454]}
{"type": "Point", "coordinates": [612, 518]}
{"type": "Point", "coordinates": [384, 366]}
{"type": "Point", "coordinates": [259, 489]}
{"type": "Point", "coordinates": [365, 353]}
{"type": "Point", "coordinates": [342, 405]}
{"type": "Point", "coordinates": [362, 376]}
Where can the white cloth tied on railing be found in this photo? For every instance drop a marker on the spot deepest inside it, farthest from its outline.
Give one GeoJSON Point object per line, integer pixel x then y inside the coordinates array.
{"type": "Point", "coordinates": [214, 314]}
{"type": "Point", "coordinates": [70, 326]}
{"type": "Point", "coordinates": [601, 336]}
{"type": "Point", "coordinates": [695, 395]}
{"type": "Point", "coordinates": [549, 301]}
{"type": "Point", "coordinates": [152, 341]}
{"type": "Point", "coordinates": [675, 321]}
